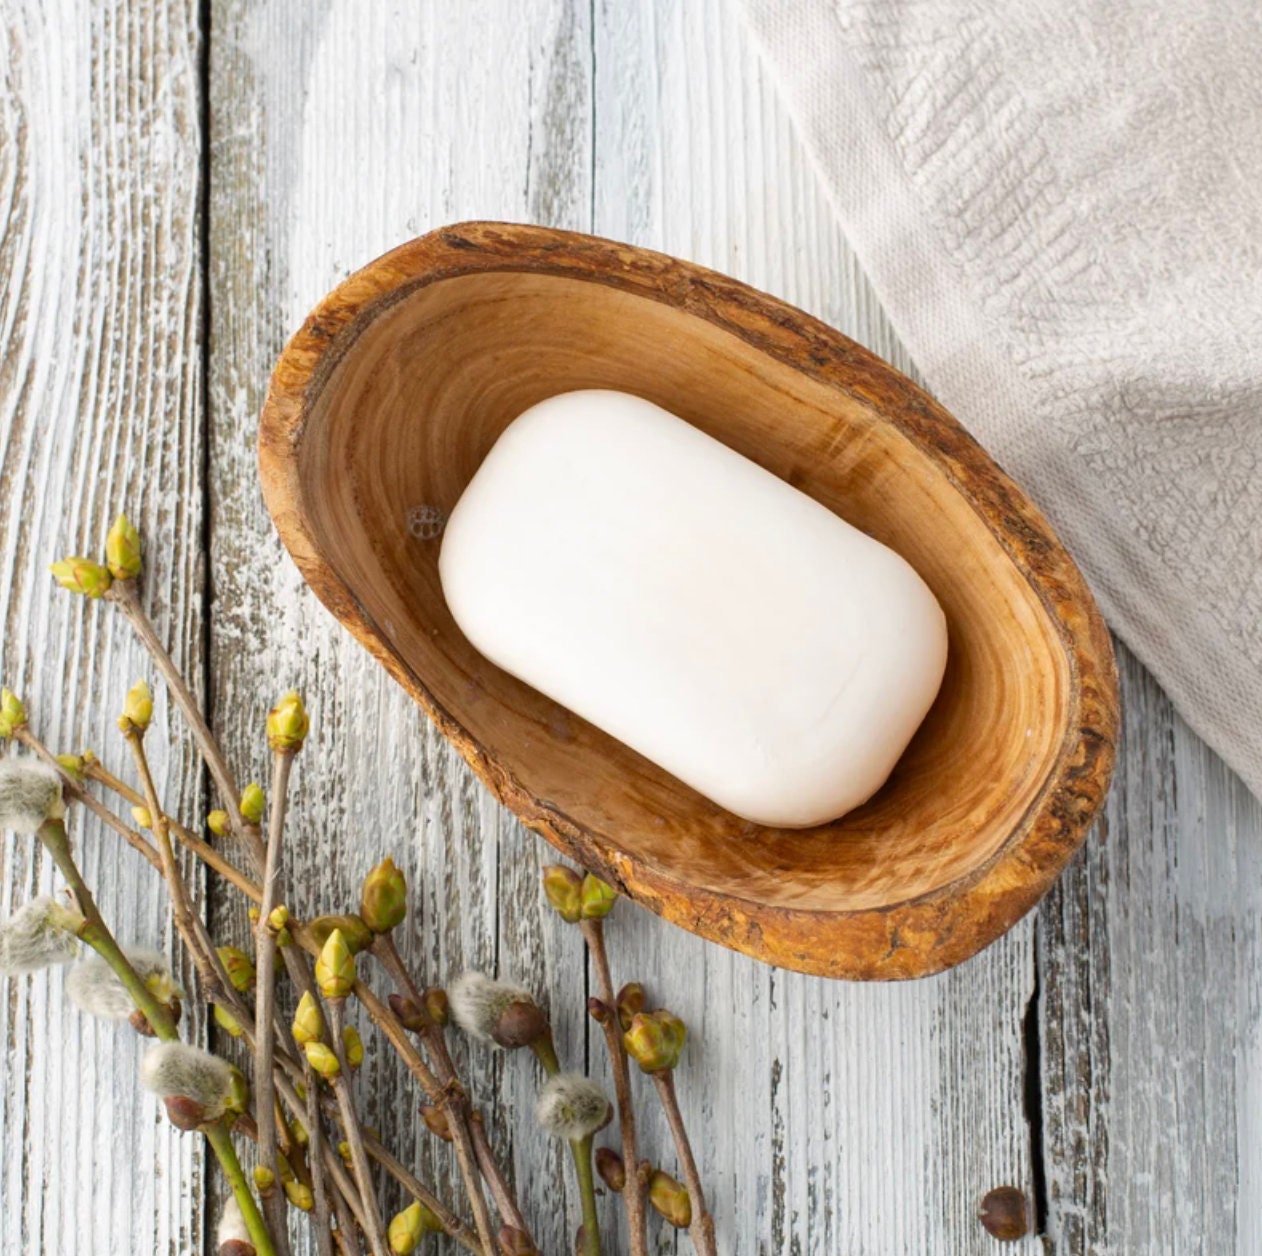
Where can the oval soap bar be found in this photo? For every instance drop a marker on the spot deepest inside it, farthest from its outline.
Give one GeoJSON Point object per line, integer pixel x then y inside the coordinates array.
{"type": "Point", "coordinates": [694, 606]}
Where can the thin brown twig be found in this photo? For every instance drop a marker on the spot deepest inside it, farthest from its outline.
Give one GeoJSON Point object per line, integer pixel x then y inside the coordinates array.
{"type": "Point", "coordinates": [352, 1128]}
{"type": "Point", "coordinates": [96, 771]}
{"type": "Point", "coordinates": [701, 1228]}
{"type": "Point", "coordinates": [265, 967]}
{"type": "Point", "coordinates": [123, 593]}
{"type": "Point", "coordinates": [633, 1187]}
{"type": "Point", "coordinates": [315, 1141]}
{"type": "Point", "coordinates": [453, 1097]}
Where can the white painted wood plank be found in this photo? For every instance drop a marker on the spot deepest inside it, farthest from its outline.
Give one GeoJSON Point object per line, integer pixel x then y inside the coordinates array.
{"type": "Point", "coordinates": [99, 410]}
{"type": "Point", "coordinates": [1149, 950]}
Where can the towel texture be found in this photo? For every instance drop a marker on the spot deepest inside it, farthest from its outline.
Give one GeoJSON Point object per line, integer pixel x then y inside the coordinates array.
{"type": "Point", "coordinates": [1060, 205]}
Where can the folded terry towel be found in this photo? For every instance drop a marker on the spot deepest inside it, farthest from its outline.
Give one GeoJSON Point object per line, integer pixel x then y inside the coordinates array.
{"type": "Point", "coordinates": [1060, 206]}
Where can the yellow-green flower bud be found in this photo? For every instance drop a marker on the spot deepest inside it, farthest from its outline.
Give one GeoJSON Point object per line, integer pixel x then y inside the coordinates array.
{"type": "Point", "coordinates": [353, 1046]}
{"type": "Point", "coordinates": [73, 765]}
{"type": "Point", "coordinates": [299, 1194]}
{"type": "Point", "coordinates": [335, 968]}
{"type": "Point", "coordinates": [238, 966]}
{"type": "Point", "coordinates": [598, 898]}
{"type": "Point", "coordinates": [288, 724]}
{"type": "Point", "coordinates": [301, 1137]}
{"type": "Point", "coordinates": [655, 1040]}
{"type": "Point", "coordinates": [344, 1150]}
{"type": "Point", "coordinates": [322, 1059]}
{"type": "Point", "coordinates": [563, 888]}
{"type": "Point", "coordinates": [142, 817]}
{"type": "Point", "coordinates": [137, 709]}
{"type": "Point", "coordinates": [408, 1227]}
{"type": "Point", "coordinates": [227, 1022]}
{"type": "Point", "coordinates": [252, 803]}
{"type": "Point", "coordinates": [82, 575]}
{"type": "Point", "coordinates": [264, 1180]}
{"type": "Point", "coordinates": [122, 549]}
{"type": "Point", "coordinates": [308, 1023]}
{"type": "Point", "coordinates": [383, 903]}
{"type": "Point", "coordinates": [670, 1199]}
{"type": "Point", "coordinates": [358, 936]}
{"type": "Point", "coordinates": [217, 822]}
{"type": "Point", "coordinates": [239, 1097]}
{"type": "Point", "coordinates": [12, 713]}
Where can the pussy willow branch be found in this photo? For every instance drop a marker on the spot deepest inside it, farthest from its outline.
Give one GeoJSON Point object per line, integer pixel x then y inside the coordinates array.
{"type": "Point", "coordinates": [341, 1084]}
{"type": "Point", "coordinates": [97, 935]}
{"type": "Point", "coordinates": [701, 1229]}
{"type": "Point", "coordinates": [455, 1099]}
{"type": "Point", "coordinates": [581, 1153]}
{"type": "Point", "coordinates": [633, 1187]}
{"type": "Point", "coordinates": [124, 594]}
{"type": "Point", "coordinates": [265, 968]}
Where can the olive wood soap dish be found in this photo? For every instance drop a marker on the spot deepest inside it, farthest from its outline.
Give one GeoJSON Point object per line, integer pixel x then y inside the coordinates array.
{"type": "Point", "coordinates": [387, 399]}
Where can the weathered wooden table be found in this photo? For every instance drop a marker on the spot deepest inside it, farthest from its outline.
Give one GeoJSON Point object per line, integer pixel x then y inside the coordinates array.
{"type": "Point", "coordinates": [178, 183]}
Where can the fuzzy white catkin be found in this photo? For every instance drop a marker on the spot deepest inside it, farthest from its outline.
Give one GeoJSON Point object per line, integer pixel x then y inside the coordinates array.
{"type": "Point", "coordinates": [476, 1002]}
{"type": "Point", "coordinates": [35, 936]}
{"type": "Point", "coordinates": [571, 1107]}
{"type": "Point", "coordinates": [30, 793]}
{"type": "Point", "coordinates": [94, 987]}
{"type": "Point", "coordinates": [232, 1236]}
{"type": "Point", "coordinates": [176, 1070]}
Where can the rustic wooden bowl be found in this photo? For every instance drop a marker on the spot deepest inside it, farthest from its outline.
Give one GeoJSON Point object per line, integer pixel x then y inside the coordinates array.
{"type": "Point", "coordinates": [399, 382]}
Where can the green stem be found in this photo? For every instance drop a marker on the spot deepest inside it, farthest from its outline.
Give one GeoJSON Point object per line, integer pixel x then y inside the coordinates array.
{"type": "Point", "coordinates": [581, 1149]}
{"type": "Point", "coordinates": [96, 934]}
{"type": "Point", "coordinates": [546, 1053]}
{"type": "Point", "coordinates": [52, 833]}
{"type": "Point", "coordinates": [221, 1143]}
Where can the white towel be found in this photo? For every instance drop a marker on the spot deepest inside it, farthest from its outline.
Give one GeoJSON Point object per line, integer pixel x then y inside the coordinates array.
{"type": "Point", "coordinates": [1060, 205]}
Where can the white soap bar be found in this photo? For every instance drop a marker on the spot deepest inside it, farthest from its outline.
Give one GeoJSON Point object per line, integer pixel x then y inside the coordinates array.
{"type": "Point", "coordinates": [694, 606]}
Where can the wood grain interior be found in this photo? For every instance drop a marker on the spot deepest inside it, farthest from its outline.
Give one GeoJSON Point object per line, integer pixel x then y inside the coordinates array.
{"type": "Point", "coordinates": [404, 419]}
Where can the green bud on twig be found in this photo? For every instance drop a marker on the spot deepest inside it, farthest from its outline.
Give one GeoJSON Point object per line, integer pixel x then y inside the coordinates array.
{"type": "Point", "coordinates": [353, 1046]}
{"type": "Point", "coordinates": [408, 1227]}
{"type": "Point", "coordinates": [74, 765]}
{"type": "Point", "coordinates": [252, 803]}
{"type": "Point", "coordinates": [141, 817]}
{"type": "Point", "coordinates": [335, 968]}
{"type": "Point", "coordinates": [288, 724]}
{"type": "Point", "coordinates": [264, 1181]}
{"type": "Point", "coordinates": [122, 550]}
{"type": "Point", "coordinates": [655, 1040]}
{"type": "Point", "coordinates": [322, 1059]}
{"type": "Point", "coordinates": [383, 903]}
{"type": "Point", "coordinates": [137, 709]}
{"type": "Point", "coordinates": [12, 713]}
{"type": "Point", "coordinates": [357, 935]}
{"type": "Point", "coordinates": [563, 888]}
{"type": "Point", "coordinates": [628, 1001]}
{"type": "Point", "coordinates": [670, 1199]}
{"type": "Point", "coordinates": [239, 1100]}
{"type": "Point", "coordinates": [299, 1194]}
{"type": "Point", "coordinates": [217, 822]}
{"type": "Point", "coordinates": [611, 1169]}
{"type": "Point", "coordinates": [238, 966]}
{"type": "Point", "coordinates": [308, 1023]}
{"type": "Point", "coordinates": [82, 575]}
{"type": "Point", "coordinates": [598, 898]}
{"type": "Point", "coordinates": [226, 1021]}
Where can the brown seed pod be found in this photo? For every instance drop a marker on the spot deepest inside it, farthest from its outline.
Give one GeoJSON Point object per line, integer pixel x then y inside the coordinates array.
{"type": "Point", "coordinates": [1004, 1215]}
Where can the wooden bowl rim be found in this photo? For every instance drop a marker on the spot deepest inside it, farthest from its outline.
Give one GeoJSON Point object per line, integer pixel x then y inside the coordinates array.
{"type": "Point", "coordinates": [912, 938]}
